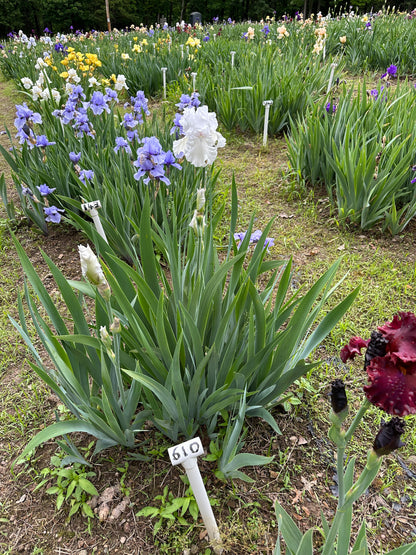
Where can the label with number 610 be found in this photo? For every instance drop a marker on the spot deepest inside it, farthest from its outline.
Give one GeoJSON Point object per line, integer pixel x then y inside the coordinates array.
{"type": "Point", "coordinates": [185, 450]}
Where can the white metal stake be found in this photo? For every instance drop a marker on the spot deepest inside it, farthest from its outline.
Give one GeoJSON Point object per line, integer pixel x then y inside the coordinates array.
{"type": "Point", "coordinates": [232, 57]}
{"type": "Point", "coordinates": [181, 47]}
{"type": "Point", "coordinates": [333, 66]}
{"type": "Point", "coordinates": [164, 70]}
{"type": "Point", "coordinates": [193, 80]}
{"type": "Point", "coordinates": [187, 50]}
{"type": "Point", "coordinates": [91, 208]}
{"type": "Point", "coordinates": [154, 48]}
{"type": "Point", "coordinates": [266, 104]}
{"type": "Point", "coordinates": [186, 454]}
{"type": "Point", "coordinates": [215, 36]}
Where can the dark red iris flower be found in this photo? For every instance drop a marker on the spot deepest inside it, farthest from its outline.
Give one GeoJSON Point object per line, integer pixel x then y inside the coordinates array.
{"type": "Point", "coordinates": [390, 364]}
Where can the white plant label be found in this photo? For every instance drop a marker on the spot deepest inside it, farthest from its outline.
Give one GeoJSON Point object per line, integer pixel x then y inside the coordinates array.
{"type": "Point", "coordinates": [86, 206]}
{"type": "Point", "coordinates": [186, 450]}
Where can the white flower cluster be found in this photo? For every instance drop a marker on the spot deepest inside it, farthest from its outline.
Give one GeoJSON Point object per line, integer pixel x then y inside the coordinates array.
{"type": "Point", "coordinates": [201, 138]}
{"type": "Point", "coordinates": [38, 89]}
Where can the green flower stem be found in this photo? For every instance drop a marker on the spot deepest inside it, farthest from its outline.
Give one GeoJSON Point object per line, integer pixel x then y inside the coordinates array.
{"type": "Point", "coordinates": [365, 479]}
{"type": "Point", "coordinates": [358, 417]}
{"type": "Point", "coordinates": [340, 474]}
{"type": "Point", "coordinates": [116, 361]}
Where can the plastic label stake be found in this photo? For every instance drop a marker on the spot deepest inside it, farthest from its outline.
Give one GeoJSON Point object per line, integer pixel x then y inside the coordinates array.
{"type": "Point", "coordinates": [91, 208]}
{"type": "Point", "coordinates": [232, 57]}
{"type": "Point", "coordinates": [186, 454]}
{"type": "Point", "coordinates": [266, 104]}
{"type": "Point", "coordinates": [164, 70]}
{"type": "Point", "coordinates": [194, 74]}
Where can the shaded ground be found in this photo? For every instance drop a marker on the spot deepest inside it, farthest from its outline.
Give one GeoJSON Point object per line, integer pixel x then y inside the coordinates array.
{"type": "Point", "coordinates": [301, 476]}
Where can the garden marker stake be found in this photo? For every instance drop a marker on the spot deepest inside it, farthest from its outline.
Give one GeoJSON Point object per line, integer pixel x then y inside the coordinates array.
{"type": "Point", "coordinates": [232, 57]}
{"type": "Point", "coordinates": [91, 207]}
{"type": "Point", "coordinates": [181, 47]}
{"type": "Point", "coordinates": [333, 66]}
{"type": "Point", "coordinates": [186, 454]}
{"type": "Point", "coordinates": [193, 80]}
{"type": "Point", "coordinates": [164, 70]}
{"type": "Point", "coordinates": [267, 104]}
{"type": "Point", "coordinates": [154, 48]}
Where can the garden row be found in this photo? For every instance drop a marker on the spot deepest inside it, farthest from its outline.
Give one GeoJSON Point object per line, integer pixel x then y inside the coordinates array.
{"type": "Point", "coordinates": [170, 325]}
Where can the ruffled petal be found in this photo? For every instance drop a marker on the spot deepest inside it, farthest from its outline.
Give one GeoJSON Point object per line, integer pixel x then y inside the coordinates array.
{"type": "Point", "coordinates": [353, 348]}
{"type": "Point", "coordinates": [392, 385]}
{"type": "Point", "coordinates": [401, 336]}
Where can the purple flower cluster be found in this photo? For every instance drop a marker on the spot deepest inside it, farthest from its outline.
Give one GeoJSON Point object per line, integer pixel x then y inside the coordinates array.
{"type": "Point", "coordinates": [139, 105]}
{"type": "Point", "coordinates": [390, 72]}
{"type": "Point", "coordinates": [254, 239]}
{"type": "Point", "coordinates": [266, 30]}
{"type": "Point", "coordinates": [121, 143]}
{"type": "Point", "coordinates": [52, 213]}
{"type": "Point", "coordinates": [152, 161]}
{"type": "Point", "coordinates": [97, 104]}
{"type": "Point", "coordinates": [330, 108]}
{"type": "Point", "coordinates": [76, 115]}
{"type": "Point", "coordinates": [25, 119]}
{"type": "Point", "coordinates": [185, 101]}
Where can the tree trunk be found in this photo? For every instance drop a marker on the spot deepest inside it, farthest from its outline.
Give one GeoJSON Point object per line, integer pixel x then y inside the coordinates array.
{"type": "Point", "coordinates": [107, 12]}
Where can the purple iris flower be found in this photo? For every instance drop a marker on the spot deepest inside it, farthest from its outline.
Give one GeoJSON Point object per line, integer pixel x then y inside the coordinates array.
{"type": "Point", "coordinates": [392, 70]}
{"type": "Point", "coordinates": [129, 122]}
{"type": "Point", "coordinates": [44, 190]}
{"type": "Point", "coordinates": [266, 30]}
{"type": "Point", "coordinates": [150, 160]}
{"type": "Point", "coordinates": [25, 115]}
{"type": "Point", "coordinates": [26, 191]}
{"type": "Point", "coordinates": [97, 103]}
{"type": "Point", "coordinates": [215, 19]}
{"type": "Point", "coordinates": [77, 94]}
{"type": "Point", "coordinates": [170, 160]}
{"type": "Point", "coordinates": [184, 101]}
{"type": "Point", "coordinates": [121, 143]}
{"type": "Point", "coordinates": [177, 127]}
{"type": "Point", "coordinates": [82, 123]}
{"type": "Point", "coordinates": [254, 239]}
{"type": "Point", "coordinates": [329, 107]}
{"type": "Point", "coordinates": [59, 47]}
{"type": "Point", "coordinates": [269, 242]}
{"type": "Point", "coordinates": [86, 174]}
{"type": "Point", "coordinates": [368, 25]}
{"type": "Point", "coordinates": [413, 170]}
{"type": "Point", "coordinates": [46, 30]}
{"type": "Point", "coordinates": [132, 135]}
{"type": "Point", "coordinates": [229, 21]}
{"type": "Point", "coordinates": [75, 157]}
{"type": "Point", "coordinates": [26, 135]}
{"type": "Point", "coordinates": [110, 95]}
{"type": "Point", "coordinates": [206, 38]}
{"type": "Point", "coordinates": [53, 214]}
{"type": "Point", "coordinates": [139, 103]}
{"type": "Point", "coordinates": [42, 141]}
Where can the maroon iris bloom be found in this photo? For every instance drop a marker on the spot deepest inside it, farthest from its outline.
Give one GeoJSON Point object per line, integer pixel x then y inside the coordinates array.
{"type": "Point", "coordinates": [390, 364]}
